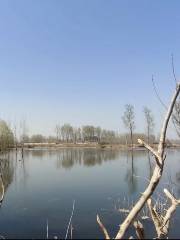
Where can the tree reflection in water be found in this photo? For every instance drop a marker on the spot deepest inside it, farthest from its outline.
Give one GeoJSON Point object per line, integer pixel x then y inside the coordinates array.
{"type": "Point", "coordinates": [6, 171]}
{"type": "Point", "coordinates": [67, 158]}
{"type": "Point", "coordinates": [130, 177]}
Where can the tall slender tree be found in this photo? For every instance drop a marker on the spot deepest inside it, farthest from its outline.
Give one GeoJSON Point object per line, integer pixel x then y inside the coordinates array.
{"type": "Point", "coordinates": [149, 122]}
{"type": "Point", "coordinates": [23, 135]}
{"type": "Point", "coordinates": [128, 120]}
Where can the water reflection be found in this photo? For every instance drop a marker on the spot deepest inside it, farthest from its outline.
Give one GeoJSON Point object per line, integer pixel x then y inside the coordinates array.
{"type": "Point", "coordinates": [90, 176]}
{"type": "Point", "coordinates": [130, 176]}
{"type": "Point", "coordinates": [6, 172]}
{"type": "Point", "coordinates": [150, 165]}
{"type": "Point", "coordinates": [69, 157]}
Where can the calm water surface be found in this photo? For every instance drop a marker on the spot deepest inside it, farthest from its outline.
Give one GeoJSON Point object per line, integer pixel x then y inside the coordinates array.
{"type": "Point", "coordinates": [44, 185]}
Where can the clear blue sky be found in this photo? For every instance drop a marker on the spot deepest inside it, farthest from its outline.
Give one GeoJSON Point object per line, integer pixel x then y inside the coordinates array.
{"type": "Point", "coordinates": [82, 61]}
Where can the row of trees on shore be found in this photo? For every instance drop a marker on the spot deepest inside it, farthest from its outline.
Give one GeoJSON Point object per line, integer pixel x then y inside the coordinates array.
{"type": "Point", "coordinates": [66, 133]}
{"type": "Point", "coordinates": [89, 133]}
{"type": "Point", "coordinates": [111, 137]}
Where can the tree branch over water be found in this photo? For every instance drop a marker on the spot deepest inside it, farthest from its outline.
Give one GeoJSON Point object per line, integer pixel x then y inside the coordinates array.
{"type": "Point", "coordinates": [157, 173]}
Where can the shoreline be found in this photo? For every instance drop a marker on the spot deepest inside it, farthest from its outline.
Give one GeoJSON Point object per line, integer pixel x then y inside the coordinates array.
{"type": "Point", "coordinates": [90, 145]}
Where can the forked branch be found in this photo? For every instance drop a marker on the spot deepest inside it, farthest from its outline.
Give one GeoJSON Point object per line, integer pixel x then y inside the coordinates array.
{"type": "Point", "coordinates": [170, 211]}
{"type": "Point", "coordinates": [161, 222]}
{"type": "Point", "coordinates": [154, 152]}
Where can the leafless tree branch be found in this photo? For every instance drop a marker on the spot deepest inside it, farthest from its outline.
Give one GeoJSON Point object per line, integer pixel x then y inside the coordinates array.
{"type": "Point", "coordinates": [103, 228]}
{"type": "Point", "coordinates": [157, 94]}
{"type": "Point", "coordinates": [155, 153]}
{"type": "Point", "coordinates": [139, 229]}
{"type": "Point", "coordinates": [156, 174]}
{"type": "Point", "coordinates": [173, 69]}
{"type": "Point", "coordinates": [170, 211]}
{"type": "Point", "coordinates": [155, 217]}
{"type": "Point", "coordinates": [161, 222]}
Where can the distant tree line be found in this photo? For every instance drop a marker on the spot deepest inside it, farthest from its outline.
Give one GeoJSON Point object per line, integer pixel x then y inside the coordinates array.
{"type": "Point", "coordinates": [66, 133]}
{"type": "Point", "coordinates": [107, 137]}
{"type": "Point", "coordinates": [87, 133]}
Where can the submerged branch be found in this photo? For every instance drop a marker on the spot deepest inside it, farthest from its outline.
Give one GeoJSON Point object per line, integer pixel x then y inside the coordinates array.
{"type": "Point", "coordinates": [70, 220]}
{"type": "Point", "coordinates": [103, 228]}
{"type": "Point", "coordinates": [139, 229]}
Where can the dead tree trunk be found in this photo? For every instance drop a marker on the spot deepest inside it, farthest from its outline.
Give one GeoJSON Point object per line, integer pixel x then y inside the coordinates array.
{"type": "Point", "coordinates": [157, 173]}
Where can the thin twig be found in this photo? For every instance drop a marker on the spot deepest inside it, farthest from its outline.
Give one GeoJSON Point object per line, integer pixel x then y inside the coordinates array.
{"type": "Point", "coordinates": [173, 69]}
{"type": "Point", "coordinates": [47, 230]}
{"type": "Point", "coordinates": [67, 231]}
{"type": "Point", "coordinates": [157, 94]}
{"type": "Point", "coordinates": [103, 228]}
{"type": "Point", "coordinates": [71, 231]}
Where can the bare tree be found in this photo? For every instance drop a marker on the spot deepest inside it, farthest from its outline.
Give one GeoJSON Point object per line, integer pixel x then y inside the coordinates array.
{"type": "Point", "coordinates": [128, 119]}
{"type": "Point", "coordinates": [159, 156]}
{"type": "Point", "coordinates": [75, 134]}
{"type": "Point", "coordinates": [15, 135]}
{"type": "Point", "coordinates": [58, 132]}
{"type": "Point", "coordinates": [79, 134]}
{"type": "Point", "coordinates": [149, 122]}
{"type": "Point", "coordinates": [67, 132]}
{"type": "Point", "coordinates": [37, 138]}
{"type": "Point", "coordinates": [98, 133]}
{"type": "Point", "coordinates": [23, 135]}
{"type": "Point", "coordinates": [88, 132]}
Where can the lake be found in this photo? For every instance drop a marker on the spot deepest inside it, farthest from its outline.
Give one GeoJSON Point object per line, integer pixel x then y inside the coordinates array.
{"type": "Point", "coordinates": [42, 188]}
